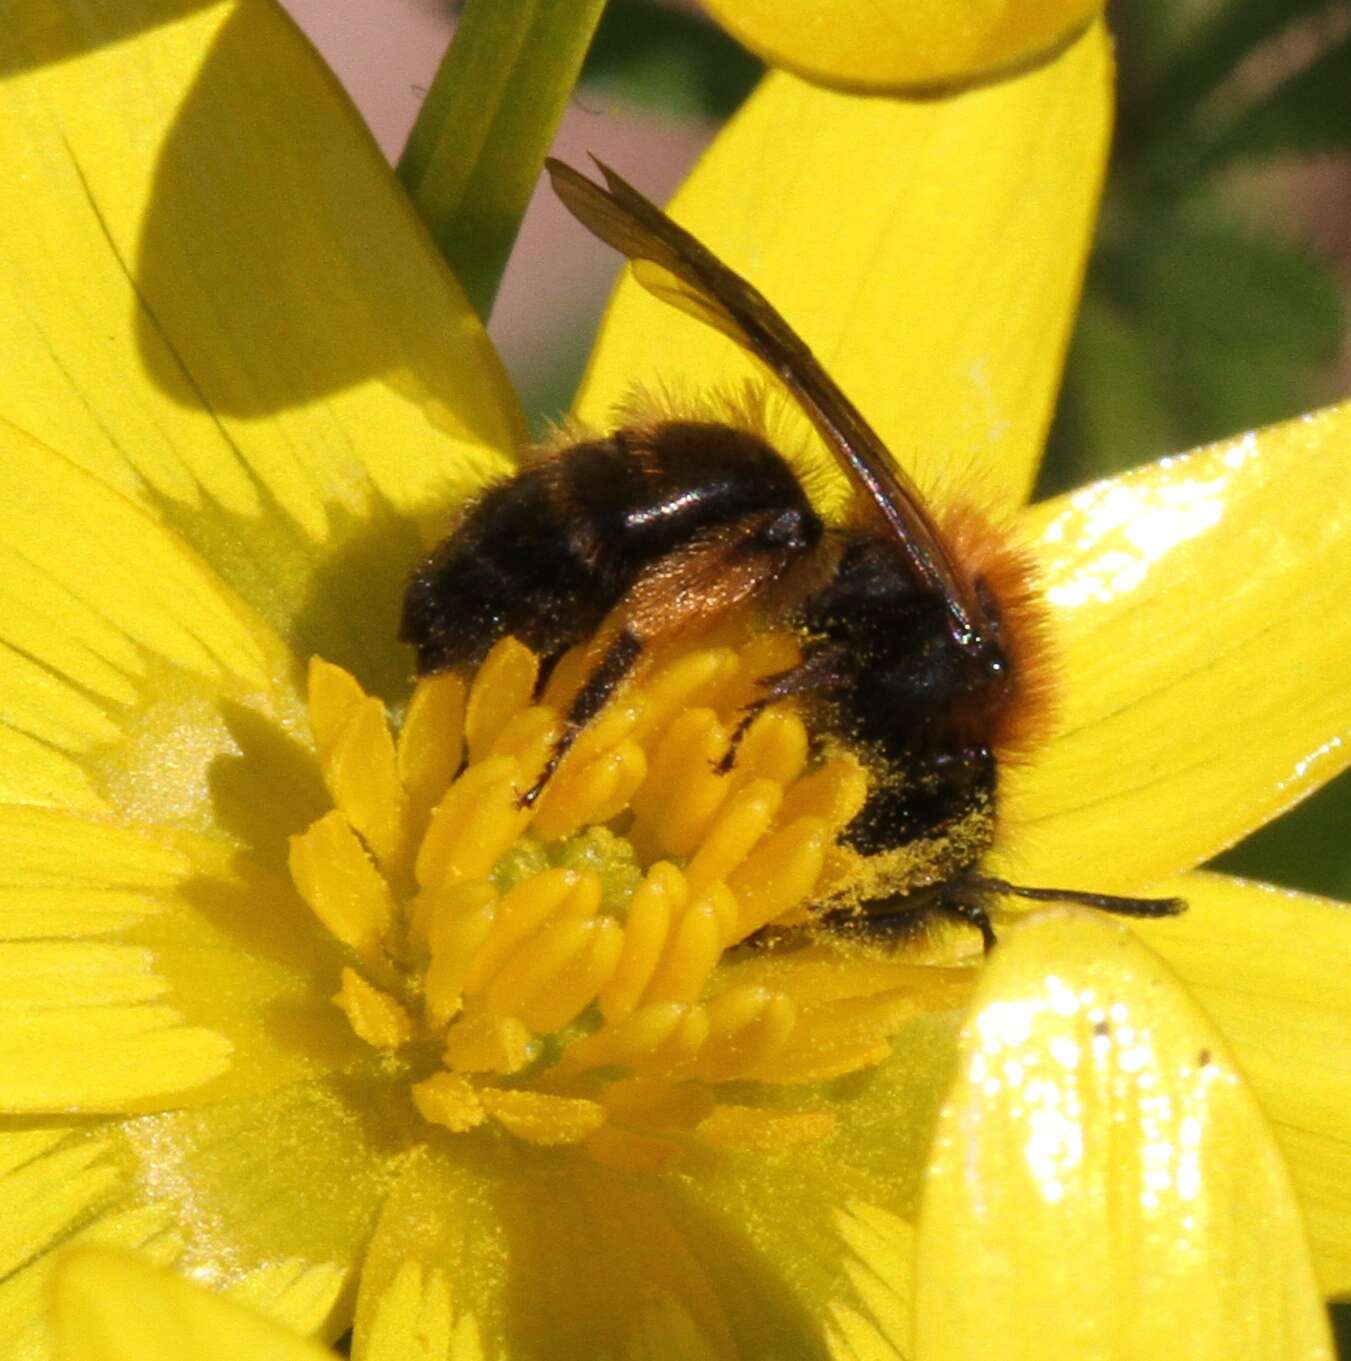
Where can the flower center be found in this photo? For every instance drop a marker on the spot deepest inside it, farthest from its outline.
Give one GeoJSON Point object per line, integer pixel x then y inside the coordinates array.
{"type": "Point", "coordinates": [577, 971]}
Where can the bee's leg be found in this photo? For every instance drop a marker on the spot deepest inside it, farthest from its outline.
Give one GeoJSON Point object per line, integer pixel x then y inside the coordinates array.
{"type": "Point", "coordinates": [615, 663]}
{"type": "Point", "coordinates": [973, 912]}
{"type": "Point", "coordinates": [685, 589]}
{"type": "Point", "coordinates": [821, 668]}
{"type": "Point", "coordinates": [723, 765]}
{"type": "Point", "coordinates": [905, 914]}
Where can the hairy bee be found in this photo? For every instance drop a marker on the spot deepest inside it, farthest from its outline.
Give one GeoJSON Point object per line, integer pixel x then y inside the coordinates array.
{"type": "Point", "coordinates": [914, 650]}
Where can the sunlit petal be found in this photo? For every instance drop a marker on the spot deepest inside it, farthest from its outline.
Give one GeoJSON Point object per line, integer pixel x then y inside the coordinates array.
{"type": "Point", "coordinates": [1199, 620]}
{"type": "Point", "coordinates": [96, 598]}
{"type": "Point", "coordinates": [113, 1306]}
{"type": "Point", "coordinates": [929, 252]}
{"type": "Point", "coordinates": [269, 1200]}
{"type": "Point", "coordinates": [783, 1251]}
{"type": "Point", "coordinates": [1101, 1173]}
{"type": "Point", "coordinates": [245, 329]}
{"type": "Point", "coordinates": [1270, 968]}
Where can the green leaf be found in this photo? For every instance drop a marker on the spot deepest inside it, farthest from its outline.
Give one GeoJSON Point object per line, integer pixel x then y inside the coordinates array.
{"type": "Point", "coordinates": [671, 62]}
{"type": "Point", "coordinates": [1113, 410]}
{"type": "Point", "coordinates": [475, 153]}
{"type": "Point", "coordinates": [1190, 329]}
{"type": "Point", "coordinates": [1239, 324]}
{"type": "Point", "coordinates": [1306, 849]}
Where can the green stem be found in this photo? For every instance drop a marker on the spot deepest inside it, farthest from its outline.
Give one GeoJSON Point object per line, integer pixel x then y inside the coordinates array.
{"type": "Point", "coordinates": [476, 149]}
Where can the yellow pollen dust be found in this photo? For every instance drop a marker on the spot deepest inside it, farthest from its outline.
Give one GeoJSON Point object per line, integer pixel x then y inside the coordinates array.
{"type": "Point", "coordinates": [578, 972]}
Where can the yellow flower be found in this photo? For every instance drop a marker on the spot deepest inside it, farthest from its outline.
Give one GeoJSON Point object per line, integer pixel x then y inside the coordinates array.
{"type": "Point", "coordinates": [240, 394]}
{"type": "Point", "coordinates": [898, 45]}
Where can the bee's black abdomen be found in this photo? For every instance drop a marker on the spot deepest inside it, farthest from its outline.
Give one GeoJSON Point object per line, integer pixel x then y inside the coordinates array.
{"type": "Point", "coordinates": [512, 566]}
{"type": "Point", "coordinates": [549, 553]}
{"type": "Point", "coordinates": [934, 797]}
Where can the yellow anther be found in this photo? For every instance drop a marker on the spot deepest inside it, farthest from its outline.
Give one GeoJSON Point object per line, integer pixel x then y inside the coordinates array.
{"type": "Point", "coordinates": [567, 676]}
{"type": "Point", "coordinates": [683, 791]}
{"type": "Point", "coordinates": [766, 654]}
{"type": "Point", "coordinates": [630, 762]}
{"type": "Point", "coordinates": [615, 723]}
{"type": "Point", "coordinates": [835, 793]}
{"type": "Point", "coordinates": [804, 1064]}
{"type": "Point", "coordinates": [431, 741]}
{"type": "Point", "coordinates": [536, 963]}
{"type": "Point", "coordinates": [775, 748]}
{"type": "Point", "coordinates": [751, 1128]}
{"type": "Point", "coordinates": [335, 876]}
{"type": "Point", "coordinates": [573, 988]}
{"type": "Point", "coordinates": [542, 1119]}
{"type": "Point", "coordinates": [640, 1033]}
{"type": "Point", "coordinates": [332, 696]}
{"type": "Point", "coordinates": [693, 949]}
{"type": "Point", "coordinates": [662, 894]}
{"type": "Point", "coordinates": [743, 820]}
{"type": "Point", "coordinates": [587, 794]}
{"type": "Point", "coordinates": [689, 680]}
{"type": "Point", "coordinates": [679, 1047]}
{"type": "Point", "coordinates": [361, 773]}
{"type": "Point", "coordinates": [824, 973]}
{"type": "Point", "coordinates": [474, 825]}
{"type": "Point", "coordinates": [528, 735]}
{"type": "Point", "coordinates": [450, 1100]}
{"type": "Point", "coordinates": [502, 687]}
{"type": "Point", "coordinates": [373, 1015]}
{"type": "Point", "coordinates": [556, 892]}
{"type": "Point", "coordinates": [746, 1028]}
{"type": "Point", "coordinates": [629, 1151]}
{"type": "Point", "coordinates": [657, 1103]}
{"type": "Point", "coordinates": [457, 926]}
{"type": "Point", "coordinates": [489, 1044]}
{"type": "Point", "coordinates": [842, 1036]}
{"type": "Point", "coordinates": [780, 873]}
{"type": "Point", "coordinates": [727, 910]}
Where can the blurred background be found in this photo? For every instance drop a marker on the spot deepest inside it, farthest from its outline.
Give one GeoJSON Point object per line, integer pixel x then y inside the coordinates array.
{"type": "Point", "coordinates": [1216, 297]}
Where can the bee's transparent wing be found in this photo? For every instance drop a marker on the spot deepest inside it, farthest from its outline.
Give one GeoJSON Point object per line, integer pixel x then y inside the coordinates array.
{"type": "Point", "coordinates": [676, 268]}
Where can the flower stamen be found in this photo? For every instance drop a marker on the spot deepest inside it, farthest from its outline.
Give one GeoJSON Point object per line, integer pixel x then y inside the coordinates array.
{"type": "Point", "coordinates": [575, 973]}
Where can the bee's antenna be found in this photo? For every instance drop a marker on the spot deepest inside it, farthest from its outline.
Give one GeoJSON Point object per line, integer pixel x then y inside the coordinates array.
{"type": "Point", "coordinates": [1107, 902]}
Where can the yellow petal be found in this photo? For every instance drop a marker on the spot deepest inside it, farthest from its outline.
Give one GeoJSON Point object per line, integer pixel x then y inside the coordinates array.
{"type": "Point", "coordinates": [65, 876]}
{"type": "Point", "coordinates": [96, 1055]}
{"type": "Point", "coordinates": [859, 44]}
{"type": "Point", "coordinates": [237, 1194]}
{"type": "Point", "coordinates": [568, 1258]}
{"type": "Point", "coordinates": [1270, 968]}
{"type": "Point", "coordinates": [1200, 630]}
{"type": "Point", "coordinates": [112, 1306]}
{"type": "Point", "coordinates": [930, 253]}
{"type": "Point", "coordinates": [96, 597]}
{"type": "Point", "coordinates": [59, 1187]}
{"type": "Point", "coordinates": [216, 299]}
{"type": "Point", "coordinates": [1101, 1176]}
{"type": "Point", "coordinates": [793, 1249]}
{"type": "Point", "coordinates": [207, 992]}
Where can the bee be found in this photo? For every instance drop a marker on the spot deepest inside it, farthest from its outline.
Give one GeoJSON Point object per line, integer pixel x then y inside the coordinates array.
{"type": "Point", "coordinates": [917, 651]}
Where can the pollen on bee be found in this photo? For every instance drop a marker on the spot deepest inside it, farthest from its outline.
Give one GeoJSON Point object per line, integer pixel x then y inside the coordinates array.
{"type": "Point", "coordinates": [579, 972]}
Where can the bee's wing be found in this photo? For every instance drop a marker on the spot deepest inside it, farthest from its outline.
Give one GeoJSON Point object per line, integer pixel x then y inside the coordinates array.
{"type": "Point", "coordinates": [671, 264]}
